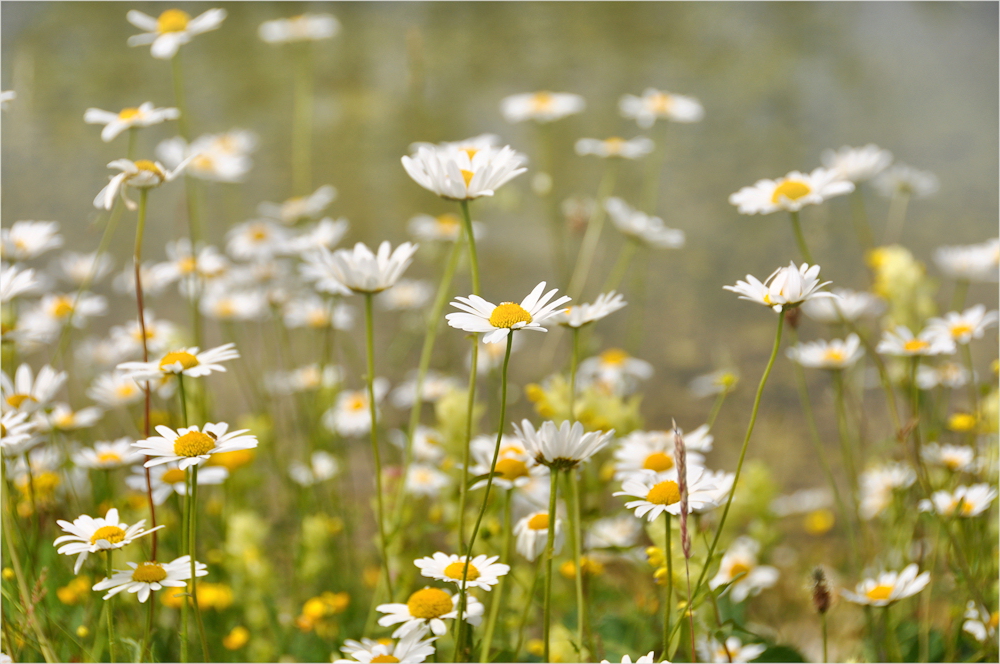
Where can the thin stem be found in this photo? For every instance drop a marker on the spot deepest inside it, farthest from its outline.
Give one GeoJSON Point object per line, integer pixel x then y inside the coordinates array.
{"type": "Point", "coordinates": [549, 546]}
{"type": "Point", "coordinates": [527, 609]}
{"type": "Point", "coordinates": [843, 429]}
{"type": "Point", "coordinates": [473, 257]}
{"type": "Point", "coordinates": [186, 545]}
{"type": "Point", "coordinates": [897, 217]}
{"type": "Point", "coordinates": [370, 377]}
{"type": "Point", "coordinates": [822, 618]}
{"type": "Point", "coordinates": [193, 543]}
{"type": "Point", "coordinates": [593, 235]}
{"type": "Point", "coordinates": [473, 369]}
{"type": "Point", "coordinates": [497, 603]}
{"type": "Point", "coordinates": [622, 265]}
{"type": "Point", "coordinates": [302, 121]}
{"type": "Point", "coordinates": [800, 238]}
{"type": "Point", "coordinates": [883, 374]}
{"type": "Point", "coordinates": [668, 597]}
{"type": "Point", "coordinates": [576, 535]}
{"type": "Point", "coordinates": [147, 638]}
{"type": "Point", "coordinates": [688, 607]}
{"type": "Point", "coordinates": [716, 407]}
{"type": "Point", "coordinates": [959, 295]}
{"type": "Point", "coordinates": [891, 639]}
{"type": "Point", "coordinates": [111, 619]}
{"type": "Point", "coordinates": [574, 361]}
{"type": "Point", "coordinates": [860, 218]}
{"type": "Point", "coordinates": [137, 260]}
{"type": "Point", "coordinates": [973, 395]}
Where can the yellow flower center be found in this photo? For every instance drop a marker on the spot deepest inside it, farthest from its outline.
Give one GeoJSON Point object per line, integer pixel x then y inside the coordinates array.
{"type": "Point", "coordinates": [149, 573]}
{"type": "Point", "coordinates": [187, 265]}
{"type": "Point", "coordinates": [542, 101]}
{"type": "Point", "coordinates": [173, 20]}
{"type": "Point", "coordinates": [962, 422]}
{"type": "Point", "coordinates": [112, 534]}
{"type": "Point", "coordinates": [614, 145]}
{"type": "Point", "coordinates": [357, 402]}
{"type": "Point", "coordinates": [915, 345]}
{"type": "Point", "coordinates": [471, 152]}
{"type": "Point", "coordinates": [467, 176]}
{"type": "Point", "coordinates": [738, 569]}
{"type": "Point", "coordinates": [429, 603]}
{"type": "Point", "coordinates": [614, 357]}
{"type": "Point", "coordinates": [259, 234]}
{"type": "Point", "coordinates": [62, 307]}
{"type": "Point", "coordinates": [456, 570]}
{"type": "Point", "coordinates": [879, 592]}
{"type": "Point", "coordinates": [317, 318]}
{"type": "Point", "coordinates": [834, 355]}
{"type": "Point", "coordinates": [661, 102]}
{"type": "Point", "coordinates": [173, 476]}
{"type": "Point", "coordinates": [15, 400]}
{"type": "Point", "coordinates": [790, 189]}
{"type": "Point", "coordinates": [539, 522]}
{"type": "Point", "coordinates": [961, 330]}
{"type": "Point", "coordinates": [149, 167]}
{"type": "Point", "coordinates": [448, 223]}
{"type": "Point", "coordinates": [509, 314]}
{"type": "Point", "coordinates": [186, 360]}
{"type": "Point", "coordinates": [384, 658]}
{"type": "Point", "coordinates": [511, 469]}
{"type": "Point", "coordinates": [109, 457]}
{"type": "Point", "coordinates": [128, 113]}
{"type": "Point", "coordinates": [125, 391]}
{"type": "Point", "coordinates": [664, 493]}
{"type": "Point", "coordinates": [994, 620]}
{"type": "Point", "coordinates": [194, 443]}
{"type": "Point", "coordinates": [658, 461]}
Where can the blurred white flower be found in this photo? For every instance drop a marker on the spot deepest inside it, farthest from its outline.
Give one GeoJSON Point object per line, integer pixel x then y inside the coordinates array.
{"type": "Point", "coordinates": [579, 315]}
{"type": "Point", "coordinates": [656, 105]}
{"type": "Point", "coordinates": [168, 479]}
{"type": "Point", "coordinates": [731, 652]}
{"type": "Point", "coordinates": [317, 313]}
{"type": "Point", "coordinates": [304, 379]}
{"type": "Point", "coordinates": [639, 226]}
{"type": "Point", "coordinates": [171, 29]}
{"type": "Point", "coordinates": [359, 269]}
{"type": "Point", "coordinates": [541, 106]}
{"type": "Point", "coordinates": [64, 418]}
{"type": "Point", "coordinates": [962, 328]}
{"type": "Point", "coordinates": [27, 392]}
{"type": "Point", "coordinates": [614, 147]}
{"type": "Point", "coordinates": [792, 192]}
{"type": "Point", "coordinates": [324, 234]}
{"type": "Point", "coordinates": [115, 123]}
{"type": "Point", "coordinates": [114, 390]}
{"type": "Point", "coordinates": [322, 466]}
{"type": "Point", "coordinates": [902, 343]}
{"type": "Point", "coordinates": [654, 450]}
{"type": "Point", "coordinates": [301, 28]}
{"type": "Point", "coordinates": [81, 269]}
{"type": "Point", "coordinates": [105, 455]}
{"type": "Point", "coordinates": [974, 262]}
{"type": "Point", "coordinates": [141, 174]}
{"type": "Point", "coordinates": [532, 535]}
{"type": "Point", "coordinates": [888, 587]}
{"type": "Point", "coordinates": [739, 568]}
{"type": "Point", "coordinates": [442, 228]}
{"type": "Point", "coordinates": [299, 208]}
{"type": "Point", "coordinates": [964, 501]}
{"type": "Point", "coordinates": [956, 458]}
{"type": "Point", "coordinates": [24, 240]}
{"type": "Point", "coordinates": [350, 416]}
{"type": "Point", "coordinates": [7, 96]}
{"type": "Point", "coordinates": [256, 240]}
{"type": "Point", "coordinates": [848, 306]}
{"type": "Point", "coordinates": [435, 386]}
{"type": "Point", "coordinates": [424, 480]}
{"type": "Point", "coordinates": [876, 487]}
{"type": "Point", "coordinates": [716, 382]}
{"type": "Point", "coordinates": [857, 164]}
{"type": "Point", "coordinates": [16, 281]}
{"type": "Point", "coordinates": [407, 294]}
{"type": "Point", "coordinates": [980, 623]}
{"type": "Point", "coordinates": [412, 648]}
{"type": "Point", "coordinates": [617, 532]}
{"type": "Point", "coordinates": [613, 371]}
{"type": "Point", "coordinates": [833, 354]}
{"type": "Point", "coordinates": [216, 157]}
{"type": "Point", "coordinates": [902, 179]}
{"type": "Point", "coordinates": [949, 374]}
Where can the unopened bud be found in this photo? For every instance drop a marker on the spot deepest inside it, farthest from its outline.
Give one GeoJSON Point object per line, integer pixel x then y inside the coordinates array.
{"type": "Point", "coordinates": [821, 594]}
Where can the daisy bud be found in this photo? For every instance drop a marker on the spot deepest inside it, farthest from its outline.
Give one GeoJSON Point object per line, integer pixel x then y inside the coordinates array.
{"type": "Point", "coordinates": [821, 594]}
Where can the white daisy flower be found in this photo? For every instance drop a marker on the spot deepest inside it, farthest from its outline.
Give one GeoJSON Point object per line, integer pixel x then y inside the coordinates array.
{"type": "Point", "coordinates": [300, 208]}
{"type": "Point", "coordinates": [641, 227]}
{"type": "Point", "coordinates": [656, 105]}
{"type": "Point", "coordinates": [322, 466]}
{"type": "Point", "coordinates": [739, 567]}
{"type": "Point", "coordinates": [888, 587]}
{"type": "Point", "coordinates": [901, 343]}
{"type": "Point", "coordinates": [114, 390]}
{"type": "Point", "coordinates": [428, 444]}
{"type": "Point", "coordinates": [792, 192]}
{"type": "Point", "coordinates": [616, 532]}
{"type": "Point", "coordinates": [407, 294]}
{"type": "Point", "coordinates": [160, 335]}
{"type": "Point", "coordinates": [497, 321]}
{"type": "Point", "coordinates": [171, 29]}
{"type": "Point", "coordinates": [956, 458]}
{"type": "Point", "coordinates": [435, 386]}
{"type": "Point", "coordinates": [25, 240]}
{"type": "Point", "coordinates": [301, 28]}
{"type": "Point", "coordinates": [168, 478]}
{"type": "Point", "coordinates": [658, 495]}
{"type": "Point", "coordinates": [413, 648]}
{"type": "Point", "coordinates": [532, 535]}
{"type": "Point", "coordinates": [317, 313]}
{"type": "Point", "coordinates": [155, 279]}
{"type": "Point", "coordinates": [834, 354]}
{"type": "Point", "coordinates": [147, 577]}
{"type": "Point", "coordinates": [191, 446]}
{"type": "Point", "coordinates": [188, 361]}
{"type": "Point", "coordinates": [561, 447]}
{"type": "Point", "coordinates": [256, 240]}
{"type": "Point", "coordinates": [63, 308]}
{"type": "Point", "coordinates": [541, 106]}
{"type": "Point", "coordinates": [613, 371]}
{"type": "Point", "coordinates": [980, 623]}
{"type": "Point", "coordinates": [17, 433]}
{"type": "Point", "coordinates": [442, 228]}
{"type": "Point", "coordinates": [714, 383]}
{"type": "Point", "coordinates": [614, 147]}
{"type": "Point", "coordinates": [964, 501]}
{"type": "Point", "coordinates": [104, 455]}
{"type": "Point", "coordinates": [483, 571]}
{"type": "Point", "coordinates": [654, 450]}
{"type": "Point", "coordinates": [974, 262]}
{"type": "Point", "coordinates": [425, 480]}
{"type": "Point", "coordinates": [362, 271]}
{"type": "Point", "coordinates": [464, 170]}
{"type": "Point", "coordinates": [324, 234]}
{"type": "Point", "coordinates": [221, 302]}
{"type": "Point", "coordinates": [948, 374]}
{"type": "Point", "coordinates": [723, 483]}
{"type": "Point", "coordinates": [302, 379]}
{"type": "Point", "coordinates": [16, 281]}
{"type": "Point", "coordinates": [350, 416]}
{"type": "Point", "coordinates": [64, 418]}
{"type": "Point", "coordinates": [848, 306]}
{"type": "Point", "coordinates": [80, 269]}
{"type": "Point", "coordinates": [906, 180]}
{"type": "Point", "coordinates": [141, 174]}
{"type": "Point", "coordinates": [731, 652]}
{"type": "Point", "coordinates": [966, 326]}
{"type": "Point", "coordinates": [581, 314]}
{"type": "Point", "coordinates": [428, 608]}
{"type": "Point", "coordinates": [787, 287]}
{"type": "Point", "coordinates": [127, 118]}
{"type": "Point", "coordinates": [514, 467]}
{"type": "Point", "coordinates": [802, 501]}
{"type": "Point", "coordinates": [216, 157]}
{"type": "Point", "coordinates": [857, 164]}
{"type": "Point", "coordinates": [7, 96]}
{"type": "Point", "coordinates": [27, 392]}
{"type": "Point", "coordinates": [876, 487]}
{"type": "Point", "coordinates": [89, 535]}
{"type": "Point", "coordinates": [626, 659]}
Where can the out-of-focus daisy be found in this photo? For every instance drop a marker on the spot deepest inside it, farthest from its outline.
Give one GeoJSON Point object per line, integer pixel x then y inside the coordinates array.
{"type": "Point", "coordinates": [442, 228]}
{"type": "Point", "coordinates": [657, 495]}
{"type": "Point", "coordinates": [428, 608]}
{"type": "Point", "coordinates": [412, 648]}
{"type": "Point", "coordinates": [300, 208]}
{"type": "Point", "coordinates": [24, 240]}
{"type": "Point", "coordinates": [224, 303]}
{"type": "Point", "coordinates": [848, 306]}
{"type": "Point", "coordinates": [614, 371]}
{"type": "Point", "coordinates": [155, 279]}
{"type": "Point", "coordinates": [731, 652]}
{"type": "Point", "coordinates": [656, 105]}
{"type": "Point", "coordinates": [617, 532]}
{"type": "Point", "coordinates": [171, 29]}
{"type": "Point", "coordinates": [425, 480]}
{"type": "Point", "coordinates": [191, 446]}
{"type": "Point", "coordinates": [787, 287]}
{"type": "Point", "coordinates": [89, 535]}
{"type": "Point", "coordinates": [464, 171]}
{"type": "Point", "coordinates": [626, 659]}
{"type": "Point", "coordinates": [497, 321]}
{"type": "Point", "coordinates": [27, 392]}
{"type": "Point", "coordinates": [964, 501]}
{"type": "Point", "coordinates": [532, 535]}
{"type": "Point", "coordinates": [168, 478]}
{"type": "Point", "coordinates": [723, 483]}
{"type": "Point", "coordinates": [888, 587]}
{"type": "Point", "coordinates": [514, 466]}
{"type": "Point", "coordinates": [324, 234]}
{"type": "Point", "coordinates": [434, 387]}
{"type": "Point", "coordinates": [654, 450]}
{"type": "Point", "coordinates": [802, 501]}
{"type": "Point", "coordinates": [428, 444]}
{"type": "Point", "coordinates": [956, 458]}
{"type": "Point", "coordinates": [303, 379]}
{"type": "Point", "coordinates": [834, 354]}
{"type": "Point", "coordinates": [64, 418]}
{"type": "Point", "coordinates": [80, 269]}
{"type": "Point", "coordinates": [363, 271]}
{"type": "Point", "coordinates": [322, 466]}
{"type": "Point", "coordinates": [301, 28]}
{"type": "Point", "coordinates": [17, 433]}
{"type": "Point", "coordinates": [160, 334]}
{"type": "Point", "coordinates": [62, 308]}
{"type": "Point", "coordinates": [581, 314]}
{"type": "Point", "coordinates": [966, 326]}
{"type": "Point", "coordinates": [973, 262]}
{"type": "Point", "coordinates": [948, 374]}
{"type": "Point", "coordinates": [561, 447]}
{"type": "Point", "coordinates": [188, 361]}
{"type": "Point", "coordinates": [141, 174]}
{"type": "Point", "coordinates": [980, 623]}
{"type": "Point", "coordinates": [641, 227]}
{"type": "Point", "coordinates": [483, 571]}
{"type": "Point", "coordinates": [906, 180]}
{"type": "Point", "coordinates": [256, 240]}
{"type": "Point", "coordinates": [114, 390]}
{"type": "Point", "coordinates": [857, 164]}
{"type": "Point", "coordinates": [541, 106]}
{"type": "Point", "coordinates": [614, 147]}
{"type": "Point", "coordinates": [216, 157]}
{"type": "Point", "coordinates": [716, 382]}
{"type": "Point", "coordinates": [792, 192]}
{"type": "Point", "coordinates": [16, 281]}
{"type": "Point", "coordinates": [877, 486]}
{"type": "Point", "coordinates": [147, 577]}
{"type": "Point", "coordinates": [7, 96]}
{"type": "Point", "coordinates": [350, 415]}
{"type": "Point", "coordinates": [902, 343]}
{"type": "Point", "coordinates": [407, 294]}
{"type": "Point", "coordinates": [115, 123]}
{"type": "Point", "coordinates": [740, 569]}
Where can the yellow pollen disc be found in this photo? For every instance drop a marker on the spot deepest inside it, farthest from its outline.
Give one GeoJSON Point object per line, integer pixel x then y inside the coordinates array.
{"type": "Point", "coordinates": [149, 573]}
{"type": "Point", "coordinates": [113, 534]}
{"type": "Point", "coordinates": [467, 176]}
{"type": "Point", "coordinates": [879, 592]}
{"type": "Point", "coordinates": [994, 620]}
{"type": "Point", "coordinates": [614, 145]}
{"type": "Point", "coordinates": [187, 360]}
{"type": "Point", "coordinates": [471, 152]}
{"type": "Point", "coordinates": [658, 461]}
{"type": "Point", "coordinates": [187, 265]}
{"type": "Point", "coordinates": [915, 345]}
{"type": "Point", "coordinates": [357, 403]}
{"type": "Point", "coordinates": [172, 20]}
{"type": "Point", "coordinates": [15, 400]}
{"type": "Point", "coordinates": [614, 356]}
{"type": "Point", "coordinates": [448, 223]}
{"type": "Point", "coordinates": [511, 469]}
{"type": "Point", "coordinates": [62, 307]}
{"type": "Point", "coordinates": [259, 234]}
{"type": "Point", "coordinates": [125, 390]}
{"type": "Point", "coordinates": [738, 569]}
{"type": "Point", "coordinates": [203, 162]}
{"type": "Point", "coordinates": [317, 318]}
{"type": "Point", "coordinates": [149, 166]}
{"type": "Point", "coordinates": [429, 603]}
{"type": "Point", "coordinates": [456, 570]}
{"type": "Point", "coordinates": [173, 476]}
{"type": "Point", "coordinates": [661, 102]}
{"type": "Point", "coordinates": [793, 190]}
{"type": "Point", "coordinates": [384, 658]}
{"type": "Point", "coordinates": [193, 443]}
{"type": "Point", "coordinates": [834, 355]}
{"type": "Point", "coordinates": [109, 457]}
{"type": "Point", "coordinates": [961, 330]}
{"type": "Point", "coordinates": [224, 309]}
{"type": "Point", "coordinates": [539, 522]}
{"type": "Point", "coordinates": [509, 314]}
{"type": "Point", "coordinates": [542, 101]}
{"type": "Point", "coordinates": [664, 493]}
{"type": "Point", "coordinates": [128, 113]}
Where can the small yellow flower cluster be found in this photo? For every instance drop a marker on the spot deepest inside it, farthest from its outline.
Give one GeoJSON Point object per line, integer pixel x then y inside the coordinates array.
{"type": "Point", "coordinates": [318, 611]}
{"type": "Point", "coordinates": [590, 567]}
{"type": "Point", "coordinates": [902, 281]}
{"type": "Point", "coordinates": [216, 596]}
{"type": "Point", "coordinates": [596, 409]}
{"type": "Point", "coordinates": [74, 591]}
{"type": "Point", "coordinates": [237, 638]}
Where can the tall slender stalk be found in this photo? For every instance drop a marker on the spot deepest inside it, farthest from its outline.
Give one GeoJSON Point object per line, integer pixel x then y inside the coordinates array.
{"type": "Point", "coordinates": [370, 378]}
{"type": "Point", "coordinates": [860, 218]}
{"type": "Point", "coordinates": [111, 619]}
{"type": "Point", "coordinates": [193, 543]}
{"type": "Point", "coordinates": [549, 546]}
{"type": "Point", "coordinates": [973, 394]}
{"type": "Point", "coordinates": [463, 489]}
{"type": "Point", "coordinates": [137, 260]}
{"type": "Point", "coordinates": [897, 217]}
{"type": "Point", "coordinates": [302, 120]}
{"type": "Point", "coordinates": [843, 429]}
{"type": "Point", "coordinates": [576, 536]}
{"type": "Point", "coordinates": [593, 234]}
{"type": "Point", "coordinates": [573, 363]}
{"type": "Point", "coordinates": [618, 272]}
{"type": "Point", "coordinates": [959, 294]}
{"type": "Point", "coordinates": [186, 529]}
{"type": "Point", "coordinates": [800, 238]}
{"type": "Point", "coordinates": [497, 604]}
{"type": "Point", "coordinates": [669, 582]}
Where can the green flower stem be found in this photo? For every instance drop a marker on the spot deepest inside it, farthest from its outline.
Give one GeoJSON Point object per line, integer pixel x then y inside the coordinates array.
{"type": "Point", "coordinates": [860, 218]}
{"type": "Point", "coordinates": [897, 217]}
{"type": "Point", "coordinates": [473, 257]}
{"type": "Point", "coordinates": [146, 652]}
{"type": "Point", "coordinates": [800, 238]}
{"type": "Point", "coordinates": [669, 594]}
{"type": "Point", "coordinates": [574, 362]}
{"type": "Point", "coordinates": [137, 260]}
{"type": "Point", "coordinates": [618, 272]}
{"type": "Point", "coordinates": [370, 377]}
{"type": "Point", "coordinates": [822, 619]}
{"type": "Point", "coordinates": [193, 543]}
{"type": "Point", "coordinates": [716, 407]}
{"type": "Point", "coordinates": [959, 295]}
{"type": "Point", "coordinates": [577, 541]}
{"type": "Point", "coordinates": [302, 119]}
{"type": "Point", "coordinates": [111, 619]}
{"type": "Point", "coordinates": [891, 638]}
{"type": "Point", "coordinates": [470, 407]}
{"type": "Point", "coordinates": [846, 444]}
{"type": "Point", "coordinates": [593, 234]}
{"type": "Point", "coordinates": [883, 374]}
{"type": "Point", "coordinates": [497, 603]}
{"type": "Point", "coordinates": [549, 546]}
{"type": "Point", "coordinates": [186, 545]}
{"type": "Point", "coordinates": [973, 395]}
{"type": "Point", "coordinates": [527, 610]}
{"type": "Point", "coordinates": [654, 171]}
